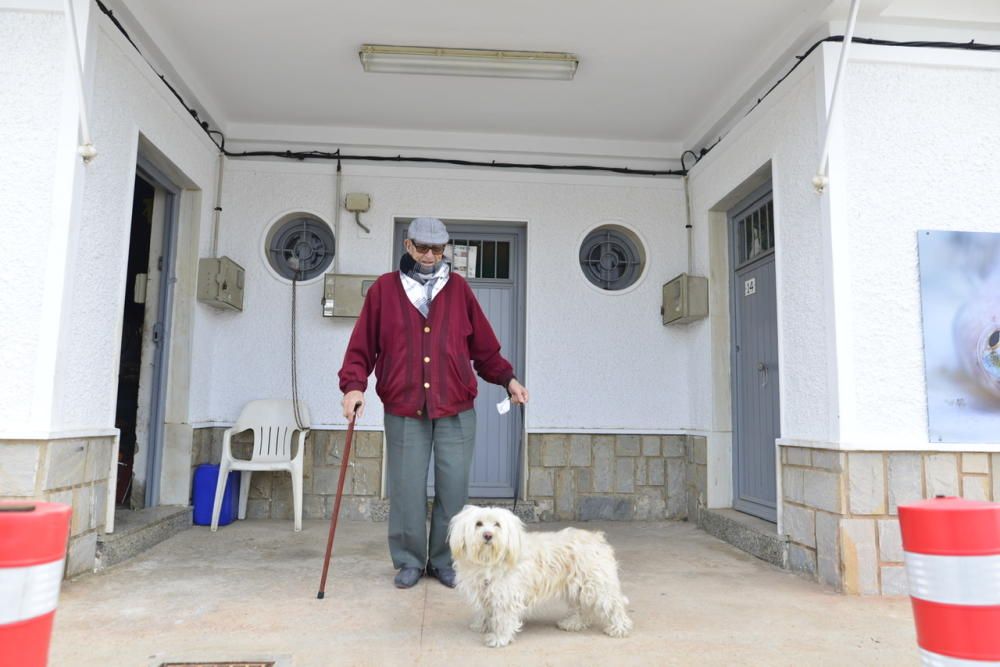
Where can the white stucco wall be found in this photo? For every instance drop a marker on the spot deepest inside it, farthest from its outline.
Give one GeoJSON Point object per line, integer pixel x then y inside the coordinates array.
{"type": "Point", "coordinates": [920, 140]}
{"type": "Point", "coordinates": [71, 222]}
{"type": "Point", "coordinates": [127, 100]}
{"type": "Point", "coordinates": [32, 71]}
{"type": "Point", "coordinates": [594, 361]}
{"type": "Point", "coordinates": [906, 156]}
{"type": "Point", "coordinates": [784, 132]}
{"type": "Point", "coordinates": [913, 148]}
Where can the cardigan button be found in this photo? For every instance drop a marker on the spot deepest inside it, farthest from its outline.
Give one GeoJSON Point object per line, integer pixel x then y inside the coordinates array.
{"type": "Point", "coordinates": [427, 385]}
{"type": "Point", "coordinates": [427, 329]}
{"type": "Point", "coordinates": [427, 360]}
{"type": "Point", "coordinates": [420, 412]}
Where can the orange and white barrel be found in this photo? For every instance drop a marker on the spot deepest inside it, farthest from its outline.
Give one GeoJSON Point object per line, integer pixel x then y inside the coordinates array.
{"type": "Point", "coordinates": [952, 552]}
{"type": "Point", "coordinates": [33, 539]}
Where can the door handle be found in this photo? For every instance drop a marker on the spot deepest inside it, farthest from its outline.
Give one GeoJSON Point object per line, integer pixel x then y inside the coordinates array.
{"type": "Point", "coordinates": [762, 368]}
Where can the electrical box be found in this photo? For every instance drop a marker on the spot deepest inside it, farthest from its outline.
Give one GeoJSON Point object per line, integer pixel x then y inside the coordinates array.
{"type": "Point", "coordinates": [344, 294]}
{"type": "Point", "coordinates": [220, 283]}
{"type": "Point", "coordinates": [357, 202]}
{"type": "Point", "coordinates": [685, 299]}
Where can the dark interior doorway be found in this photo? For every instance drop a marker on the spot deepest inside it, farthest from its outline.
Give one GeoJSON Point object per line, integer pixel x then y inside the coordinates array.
{"type": "Point", "coordinates": [134, 316]}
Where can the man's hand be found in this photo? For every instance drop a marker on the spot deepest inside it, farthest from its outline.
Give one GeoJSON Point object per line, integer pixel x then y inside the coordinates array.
{"type": "Point", "coordinates": [518, 394]}
{"type": "Point", "coordinates": [351, 399]}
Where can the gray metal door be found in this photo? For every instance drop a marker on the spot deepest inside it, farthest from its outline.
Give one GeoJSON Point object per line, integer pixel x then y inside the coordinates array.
{"type": "Point", "coordinates": [162, 328]}
{"type": "Point", "coordinates": [496, 276]}
{"type": "Point", "coordinates": [756, 423]}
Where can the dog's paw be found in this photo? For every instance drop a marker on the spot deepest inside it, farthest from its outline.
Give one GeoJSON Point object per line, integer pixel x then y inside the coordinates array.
{"type": "Point", "coordinates": [494, 640]}
{"type": "Point", "coordinates": [572, 624]}
{"type": "Point", "coordinates": [618, 629]}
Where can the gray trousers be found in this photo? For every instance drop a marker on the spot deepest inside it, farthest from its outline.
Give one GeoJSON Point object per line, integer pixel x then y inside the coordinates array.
{"type": "Point", "coordinates": [410, 443]}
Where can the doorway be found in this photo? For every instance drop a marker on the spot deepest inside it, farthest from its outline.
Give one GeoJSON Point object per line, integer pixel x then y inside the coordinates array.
{"type": "Point", "coordinates": [753, 310]}
{"type": "Point", "coordinates": [490, 256]}
{"type": "Point", "coordinates": [146, 311]}
{"type": "Point", "coordinates": [133, 317]}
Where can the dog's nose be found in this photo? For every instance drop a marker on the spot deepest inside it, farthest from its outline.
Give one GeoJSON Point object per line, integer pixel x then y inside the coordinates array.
{"type": "Point", "coordinates": [487, 536]}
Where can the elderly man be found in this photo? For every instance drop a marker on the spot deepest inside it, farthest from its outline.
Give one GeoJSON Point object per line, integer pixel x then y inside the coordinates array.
{"type": "Point", "coordinates": [419, 329]}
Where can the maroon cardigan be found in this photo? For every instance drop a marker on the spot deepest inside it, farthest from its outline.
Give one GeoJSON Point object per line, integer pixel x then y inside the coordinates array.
{"type": "Point", "coordinates": [422, 366]}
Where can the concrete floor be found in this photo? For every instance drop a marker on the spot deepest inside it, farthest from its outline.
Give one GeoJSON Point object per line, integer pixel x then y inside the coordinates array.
{"type": "Point", "coordinates": [249, 591]}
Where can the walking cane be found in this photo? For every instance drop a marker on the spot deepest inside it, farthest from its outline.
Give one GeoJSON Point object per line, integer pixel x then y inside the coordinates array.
{"type": "Point", "coordinates": [517, 462]}
{"type": "Point", "coordinates": [336, 504]}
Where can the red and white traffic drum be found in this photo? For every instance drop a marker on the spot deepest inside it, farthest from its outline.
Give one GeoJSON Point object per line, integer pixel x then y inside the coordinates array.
{"type": "Point", "coordinates": [952, 552]}
{"type": "Point", "coordinates": [33, 540]}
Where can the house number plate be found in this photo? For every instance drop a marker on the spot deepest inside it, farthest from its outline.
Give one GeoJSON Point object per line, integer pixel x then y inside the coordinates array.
{"type": "Point", "coordinates": [750, 287]}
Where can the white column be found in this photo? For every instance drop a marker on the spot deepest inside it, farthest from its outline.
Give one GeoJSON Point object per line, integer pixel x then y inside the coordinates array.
{"type": "Point", "coordinates": [42, 178]}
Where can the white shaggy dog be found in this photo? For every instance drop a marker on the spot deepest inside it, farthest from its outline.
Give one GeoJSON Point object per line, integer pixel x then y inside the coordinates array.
{"type": "Point", "coordinates": [505, 571]}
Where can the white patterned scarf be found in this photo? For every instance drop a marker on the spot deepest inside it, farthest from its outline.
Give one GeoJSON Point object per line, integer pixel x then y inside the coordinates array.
{"type": "Point", "coordinates": [421, 288]}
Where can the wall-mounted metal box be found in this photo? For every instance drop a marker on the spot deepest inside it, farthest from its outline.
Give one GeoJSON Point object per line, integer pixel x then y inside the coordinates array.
{"type": "Point", "coordinates": [220, 283]}
{"type": "Point", "coordinates": [685, 299]}
{"type": "Point", "coordinates": [344, 294]}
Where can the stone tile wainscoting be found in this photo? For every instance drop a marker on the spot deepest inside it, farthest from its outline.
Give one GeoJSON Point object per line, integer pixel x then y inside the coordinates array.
{"type": "Point", "coordinates": [623, 477]}
{"type": "Point", "coordinates": [74, 471]}
{"type": "Point", "coordinates": [840, 508]}
{"type": "Point", "coordinates": [570, 476]}
{"type": "Point", "coordinates": [271, 492]}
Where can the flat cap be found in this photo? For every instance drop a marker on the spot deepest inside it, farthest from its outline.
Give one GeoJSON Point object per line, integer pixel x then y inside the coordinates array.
{"type": "Point", "coordinates": [427, 230]}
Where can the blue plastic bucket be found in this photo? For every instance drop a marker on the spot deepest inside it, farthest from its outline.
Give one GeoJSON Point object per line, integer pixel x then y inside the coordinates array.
{"type": "Point", "coordinates": [206, 477]}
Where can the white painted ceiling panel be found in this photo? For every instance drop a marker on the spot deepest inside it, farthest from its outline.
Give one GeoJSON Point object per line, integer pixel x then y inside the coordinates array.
{"type": "Point", "coordinates": [650, 70]}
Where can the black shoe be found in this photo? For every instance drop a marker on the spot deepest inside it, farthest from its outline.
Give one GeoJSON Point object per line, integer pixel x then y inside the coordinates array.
{"type": "Point", "coordinates": [445, 575]}
{"type": "Point", "coordinates": [407, 577]}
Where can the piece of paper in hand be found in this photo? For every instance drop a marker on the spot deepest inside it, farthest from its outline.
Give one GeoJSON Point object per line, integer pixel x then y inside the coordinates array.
{"type": "Point", "coordinates": [503, 407]}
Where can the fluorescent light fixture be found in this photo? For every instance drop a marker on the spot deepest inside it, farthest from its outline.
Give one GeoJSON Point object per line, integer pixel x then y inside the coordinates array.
{"type": "Point", "coordinates": [468, 62]}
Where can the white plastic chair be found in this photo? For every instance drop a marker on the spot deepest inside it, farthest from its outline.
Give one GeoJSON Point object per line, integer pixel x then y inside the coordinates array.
{"type": "Point", "coordinates": [273, 424]}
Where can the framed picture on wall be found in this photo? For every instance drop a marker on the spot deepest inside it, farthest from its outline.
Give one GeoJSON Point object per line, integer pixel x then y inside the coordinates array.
{"type": "Point", "coordinates": [960, 307]}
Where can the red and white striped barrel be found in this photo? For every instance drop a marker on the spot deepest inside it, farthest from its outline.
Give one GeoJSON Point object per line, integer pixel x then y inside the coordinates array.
{"type": "Point", "coordinates": [952, 551]}
{"type": "Point", "coordinates": [32, 557]}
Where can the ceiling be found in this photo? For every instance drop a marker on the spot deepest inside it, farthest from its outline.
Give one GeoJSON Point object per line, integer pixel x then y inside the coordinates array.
{"type": "Point", "coordinates": [654, 75]}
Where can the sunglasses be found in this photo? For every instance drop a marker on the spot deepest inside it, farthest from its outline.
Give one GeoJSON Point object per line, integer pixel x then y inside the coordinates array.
{"type": "Point", "coordinates": [422, 249]}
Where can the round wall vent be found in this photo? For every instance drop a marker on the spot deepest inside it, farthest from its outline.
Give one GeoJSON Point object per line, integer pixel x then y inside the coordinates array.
{"type": "Point", "coordinates": [300, 247]}
{"type": "Point", "coordinates": [612, 257]}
